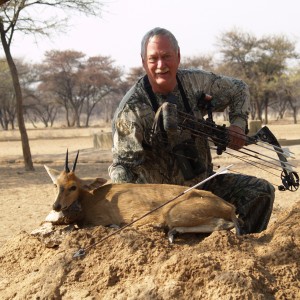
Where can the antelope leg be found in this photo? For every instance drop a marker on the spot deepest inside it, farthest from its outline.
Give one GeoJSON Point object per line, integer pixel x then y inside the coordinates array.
{"type": "Point", "coordinates": [214, 224]}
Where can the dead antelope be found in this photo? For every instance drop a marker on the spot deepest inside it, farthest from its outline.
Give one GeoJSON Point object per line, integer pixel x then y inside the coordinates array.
{"type": "Point", "coordinates": [196, 211]}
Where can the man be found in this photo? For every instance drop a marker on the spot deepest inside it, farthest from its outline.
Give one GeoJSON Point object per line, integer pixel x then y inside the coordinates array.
{"type": "Point", "coordinates": [147, 148]}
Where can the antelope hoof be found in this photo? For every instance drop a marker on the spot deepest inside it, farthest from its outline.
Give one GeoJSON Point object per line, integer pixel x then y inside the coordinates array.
{"type": "Point", "coordinates": [115, 226]}
{"type": "Point", "coordinates": [171, 235]}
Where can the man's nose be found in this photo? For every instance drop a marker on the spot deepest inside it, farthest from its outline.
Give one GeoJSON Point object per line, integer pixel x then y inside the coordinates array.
{"type": "Point", "coordinates": [160, 63]}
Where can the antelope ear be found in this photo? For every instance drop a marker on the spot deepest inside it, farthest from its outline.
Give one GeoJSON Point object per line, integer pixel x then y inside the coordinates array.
{"type": "Point", "coordinates": [52, 173]}
{"type": "Point", "coordinates": [92, 184]}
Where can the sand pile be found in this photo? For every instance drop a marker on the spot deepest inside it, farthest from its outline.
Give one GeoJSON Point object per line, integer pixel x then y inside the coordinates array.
{"type": "Point", "coordinates": [139, 263]}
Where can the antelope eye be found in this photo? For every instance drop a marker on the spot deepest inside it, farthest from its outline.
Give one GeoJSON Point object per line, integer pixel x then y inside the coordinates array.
{"type": "Point", "coordinates": [72, 188]}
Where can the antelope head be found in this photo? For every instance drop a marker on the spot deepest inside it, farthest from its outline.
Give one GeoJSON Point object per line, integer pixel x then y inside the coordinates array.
{"type": "Point", "coordinates": [67, 185]}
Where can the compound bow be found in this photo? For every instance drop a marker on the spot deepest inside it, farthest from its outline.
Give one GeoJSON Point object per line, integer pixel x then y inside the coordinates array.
{"type": "Point", "coordinates": [219, 135]}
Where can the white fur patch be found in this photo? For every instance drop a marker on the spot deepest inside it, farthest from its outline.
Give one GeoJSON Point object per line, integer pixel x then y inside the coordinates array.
{"type": "Point", "coordinates": [54, 216]}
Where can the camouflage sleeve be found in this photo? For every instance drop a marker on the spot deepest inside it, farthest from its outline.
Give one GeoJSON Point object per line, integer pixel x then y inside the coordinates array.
{"type": "Point", "coordinates": [127, 145]}
{"type": "Point", "coordinates": [226, 91]}
{"type": "Point", "coordinates": [235, 94]}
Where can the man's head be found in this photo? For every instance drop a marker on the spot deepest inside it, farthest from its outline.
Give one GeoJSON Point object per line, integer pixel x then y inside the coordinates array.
{"type": "Point", "coordinates": [161, 57]}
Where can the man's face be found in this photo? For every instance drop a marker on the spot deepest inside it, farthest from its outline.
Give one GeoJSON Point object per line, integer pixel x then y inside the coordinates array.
{"type": "Point", "coordinates": [161, 62]}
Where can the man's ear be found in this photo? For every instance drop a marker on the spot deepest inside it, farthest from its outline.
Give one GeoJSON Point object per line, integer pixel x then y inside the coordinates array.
{"type": "Point", "coordinates": [143, 62]}
{"type": "Point", "coordinates": [52, 173]}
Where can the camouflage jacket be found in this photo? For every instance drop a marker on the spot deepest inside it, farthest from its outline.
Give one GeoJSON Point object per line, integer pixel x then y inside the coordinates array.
{"type": "Point", "coordinates": [138, 160]}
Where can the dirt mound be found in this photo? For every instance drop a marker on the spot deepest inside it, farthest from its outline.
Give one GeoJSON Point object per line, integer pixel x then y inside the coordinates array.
{"type": "Point", "coordinates": [139, 263]}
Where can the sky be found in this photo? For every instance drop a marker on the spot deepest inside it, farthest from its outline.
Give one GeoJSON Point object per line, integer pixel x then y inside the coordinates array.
{"type": "Point", "coordinates": [195, 23]}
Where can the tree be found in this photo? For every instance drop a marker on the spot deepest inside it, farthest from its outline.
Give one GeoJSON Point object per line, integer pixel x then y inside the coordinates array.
{"type": "Point", "coordinates": [60, 76]}
{"type": "Point", "coordinates": [239, 49]}
{"type": "Point", "coordinates": [7, 98]}
{"type": "Point", "coordinates": [16, 16]}
{"type": "Point", "coordinates": [258, 61]}
{"type": "Point", "coordinates": [78, 83]}
{"type": "Point", "coordinates": [40, 106]}
{"type": "Point", "coordinates": [288, 92]}
{"type": "Point", "coordinates": [274, 53]}
{"type": "Point", "coordinates": [99, 80]}
{"type": "Point", "coordinates": [131, 78]}
{"type": "Point", "coordinates": [239, 59]}
{"type": "Point", "coordinates": [204, 62]}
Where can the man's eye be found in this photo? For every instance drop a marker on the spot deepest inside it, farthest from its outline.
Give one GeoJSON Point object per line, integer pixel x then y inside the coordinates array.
{"type": "Point", "coordinates": [152, 59]}
{"type": "Point", "coordinates": [167, 56]}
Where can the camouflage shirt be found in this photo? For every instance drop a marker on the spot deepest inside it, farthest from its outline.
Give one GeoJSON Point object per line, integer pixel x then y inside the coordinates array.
{"type": "Point", "coordinates": [138, 159]}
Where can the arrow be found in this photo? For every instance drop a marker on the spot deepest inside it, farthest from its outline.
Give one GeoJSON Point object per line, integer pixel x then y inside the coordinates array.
{"type": "Point", "coordinates": [81, 252]}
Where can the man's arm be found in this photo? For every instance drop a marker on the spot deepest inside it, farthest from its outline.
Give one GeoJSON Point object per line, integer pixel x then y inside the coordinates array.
{"type": "Point", "coordinates": [127, 146]}
{"type": "Point", "coordinates": [225, 91]}
{"type": "Point", "coordinates": [234, 93]}
{"type": "Point", "coordinates": [239, 107]}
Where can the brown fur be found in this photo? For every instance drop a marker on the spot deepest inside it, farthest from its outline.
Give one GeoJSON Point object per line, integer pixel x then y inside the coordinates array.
{"type": "Point", "coordinates": [195, 211]}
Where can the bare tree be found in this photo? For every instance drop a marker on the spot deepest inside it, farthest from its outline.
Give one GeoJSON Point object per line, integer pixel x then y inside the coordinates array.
{"type": "Point", "coordinates": [79, 84]}
{"type": "Point", "coordinates": [41, 107]}
{"type": "Point", "coordinates": [100, 79]}
{"type": "Point", "coordinates": [60, 76]}
{"type": "Point", "coordinates": [15, 15]}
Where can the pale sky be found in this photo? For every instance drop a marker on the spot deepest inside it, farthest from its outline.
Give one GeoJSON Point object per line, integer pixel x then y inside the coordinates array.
{"type": "Point", "coordinates": [195, 23]}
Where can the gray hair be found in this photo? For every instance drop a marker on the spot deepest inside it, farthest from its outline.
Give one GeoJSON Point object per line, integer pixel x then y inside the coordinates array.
{"type": "Point", "coordinates": [156, 32]}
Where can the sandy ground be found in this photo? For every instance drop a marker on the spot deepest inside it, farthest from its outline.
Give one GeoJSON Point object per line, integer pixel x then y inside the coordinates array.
{"type": "Point", "coordinates": [139, 263]}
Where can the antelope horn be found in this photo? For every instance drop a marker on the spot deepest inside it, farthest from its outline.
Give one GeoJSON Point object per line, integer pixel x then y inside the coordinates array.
{"type": "Point", "coordinates": [66, 163]}
{"type": "Point", "coordinates": [75, 162]}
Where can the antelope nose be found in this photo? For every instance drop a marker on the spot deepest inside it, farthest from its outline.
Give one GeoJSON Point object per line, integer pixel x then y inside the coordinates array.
{"type": "Point", "coordinates": [56, 207]}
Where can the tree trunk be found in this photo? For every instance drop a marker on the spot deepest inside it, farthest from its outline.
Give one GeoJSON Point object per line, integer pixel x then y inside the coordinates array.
{"type": "Point", "coordinates": [258, 111]}
{"type": "Point", "coordinates": [295, 114]}
{"type": "Point", "coordinates": [266, 113]}
{"type": "Point", "coordinates": [266, 103]}
{"type": "Point", "coordinates": [87, 120]}
{"type": "Point", "coordinates": [19, 101]}
{"type": "Point", "coordinates": [77, 118]}
{"type": "Point", "coordinates": [294, 109]}
{"type": "Point", "coordinates": [67, 116]}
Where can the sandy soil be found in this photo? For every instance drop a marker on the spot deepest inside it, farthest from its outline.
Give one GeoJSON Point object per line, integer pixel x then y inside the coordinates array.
{"type": "Point", "coordinates": [139, 263]}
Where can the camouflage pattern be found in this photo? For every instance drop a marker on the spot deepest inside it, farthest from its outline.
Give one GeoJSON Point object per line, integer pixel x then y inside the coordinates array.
{"type": "Point", "coordinates": [252, 197]}
{"type": "Point", "coordinates": [139, 157]}
{"type": "Point", "coordinates": [135, 159]}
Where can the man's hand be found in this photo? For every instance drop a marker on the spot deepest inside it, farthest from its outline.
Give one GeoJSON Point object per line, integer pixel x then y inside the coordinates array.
{"type": "Point", "coordinates": [119, 174]}
{"type": "Point", "coordinates": [237, 137]}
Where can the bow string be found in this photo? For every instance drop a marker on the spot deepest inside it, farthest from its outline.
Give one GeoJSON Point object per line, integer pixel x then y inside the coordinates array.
{"type": "Point", "coordinates": [219, 135]}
